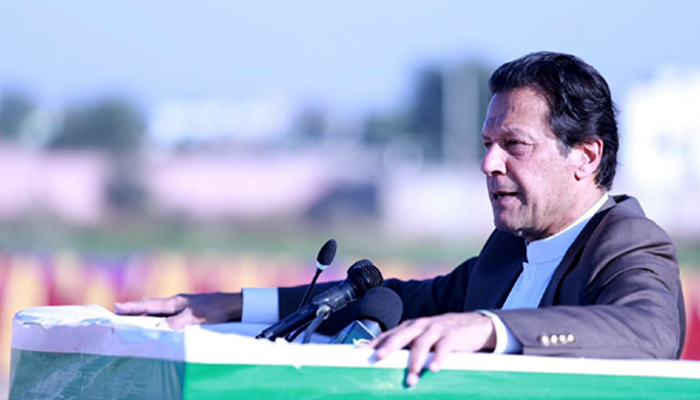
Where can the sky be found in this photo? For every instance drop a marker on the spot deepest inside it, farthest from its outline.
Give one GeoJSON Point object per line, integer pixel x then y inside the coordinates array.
{"type": "Point", "coordinates": [357, 55]}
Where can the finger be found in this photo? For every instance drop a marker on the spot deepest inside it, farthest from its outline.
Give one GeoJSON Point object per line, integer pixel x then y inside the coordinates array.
{"type": "Point", "coordinates": [371, 344]}
{"type": "Point", "coordinates": [411, 378]}
{"type": "Point", "coordinates": [129, 307]}
{"type": "Point", "coordinates": [377, 341]}
{"type": "Point", "coordinates": [397, 340]}
{"type": "Point", "coordinates": [440, 352]}
{"type": "Point", "coordinates": [421, 346]}
{"type": "Point", "coordinates": [167, 306]}
{"type": "Point", "coordinates": [181, 320]}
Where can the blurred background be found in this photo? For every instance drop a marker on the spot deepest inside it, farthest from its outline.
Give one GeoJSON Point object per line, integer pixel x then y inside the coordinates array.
{"type": "Point", "coordinates": [151, 148]}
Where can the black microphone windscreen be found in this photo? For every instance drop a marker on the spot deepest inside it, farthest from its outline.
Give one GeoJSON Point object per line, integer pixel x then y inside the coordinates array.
{"type": "Point", "coordinates": [363, 275]}
{"type": "Point", "coordinates": [327, 253]}
{"type": "Point", "coordinates": [381, 305]}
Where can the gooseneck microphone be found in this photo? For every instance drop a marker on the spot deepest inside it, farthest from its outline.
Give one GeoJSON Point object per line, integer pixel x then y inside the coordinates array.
{"type": "Point", "coordinates": [323, 260]}
{"type": "Point", "coordinates": [377, 312]}
{"type": "Point", "coordinates": [362, 276]}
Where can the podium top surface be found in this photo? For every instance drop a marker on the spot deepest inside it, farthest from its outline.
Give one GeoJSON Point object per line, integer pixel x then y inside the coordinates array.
{"type": "Point", "coordinates": [95, 330]}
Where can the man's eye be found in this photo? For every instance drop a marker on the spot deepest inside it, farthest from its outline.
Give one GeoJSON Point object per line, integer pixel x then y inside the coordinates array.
{"type": "Point", "coordinates": [487, 144]}
{"type": "Point", "coordinates": [515, 145]}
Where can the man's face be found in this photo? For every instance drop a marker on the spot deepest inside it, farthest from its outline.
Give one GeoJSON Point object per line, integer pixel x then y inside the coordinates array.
{"type": "Point", "coordinates": [531, 183]}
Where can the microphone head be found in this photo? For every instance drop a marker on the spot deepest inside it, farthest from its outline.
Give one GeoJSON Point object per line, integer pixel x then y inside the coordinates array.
{"type": "Point", "coordinates": [363, 276]}
{"type": "Point", "coordinates": [326, 254]}
{"type": "Point", "coordinates": [381, 305]}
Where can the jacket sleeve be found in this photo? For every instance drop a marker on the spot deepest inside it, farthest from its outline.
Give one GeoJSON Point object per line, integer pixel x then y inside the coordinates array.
{"type": "Point", "coordinates": [439, 295]}
{"type": "Point", "coordinates": [627, 300]}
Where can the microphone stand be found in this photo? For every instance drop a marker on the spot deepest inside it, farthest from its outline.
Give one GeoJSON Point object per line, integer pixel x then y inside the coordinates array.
{"type": "Point", "coordinates": [293, 335]}
{"type": "Point", "coordinates": [311, 286]}
{"type": "Point", "coordinates": [323, 260]}
{"type": "Point", "coordinates": [290, 338]}
{"type": "Point", "coordinates": [322, 313]}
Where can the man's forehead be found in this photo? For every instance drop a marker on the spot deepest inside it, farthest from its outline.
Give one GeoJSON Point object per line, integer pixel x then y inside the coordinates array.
{"type": "Point", "coordinates": [494, 119]}
{"type": "Point", "coordinates": [515, 110]}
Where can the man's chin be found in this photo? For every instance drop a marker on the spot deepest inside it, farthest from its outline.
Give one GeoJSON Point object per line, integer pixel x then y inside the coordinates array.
{"type": "Point", "coordinates": [504, 226]}
{"type": "Point", "coordinates": [508, 226]}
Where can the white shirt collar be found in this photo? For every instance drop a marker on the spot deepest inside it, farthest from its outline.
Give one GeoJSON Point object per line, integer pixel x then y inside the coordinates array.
{"type": "Point", "coordinates": [555, 246]}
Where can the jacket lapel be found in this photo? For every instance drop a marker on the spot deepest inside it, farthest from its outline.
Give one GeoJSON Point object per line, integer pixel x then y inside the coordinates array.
{"type": "Point", "coordinates": [501, 284]}
{"type": "Point", "coordinates": [571, 256]}
{"type": "Point", "coordinates": [499, 266]}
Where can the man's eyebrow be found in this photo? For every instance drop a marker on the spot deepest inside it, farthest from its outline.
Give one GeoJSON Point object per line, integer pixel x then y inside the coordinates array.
{"type": "Point", "coordinates": [514, 130]}
{"type": "Point", "coordinates": [506, 133]}
{"type": "Point", "coordinates": [503, 130]}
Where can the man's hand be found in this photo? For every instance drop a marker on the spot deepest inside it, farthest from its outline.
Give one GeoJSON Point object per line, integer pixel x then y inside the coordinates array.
{"type": "Point", "coordinates": [188, 309]}
{"type": "Point", "coordinates": [443, 334]}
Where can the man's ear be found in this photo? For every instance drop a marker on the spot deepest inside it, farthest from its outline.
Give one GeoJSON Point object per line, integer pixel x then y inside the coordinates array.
{"type": "Point", "coordinates": [587, 157]}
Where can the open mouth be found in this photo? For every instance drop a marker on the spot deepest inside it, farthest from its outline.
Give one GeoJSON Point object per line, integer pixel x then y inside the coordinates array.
{"type": "Point", "coordinates": [501, 195]}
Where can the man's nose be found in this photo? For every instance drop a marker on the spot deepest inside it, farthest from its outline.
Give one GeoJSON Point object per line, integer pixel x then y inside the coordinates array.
{"type": "Point", "coordinates": [494, 161]}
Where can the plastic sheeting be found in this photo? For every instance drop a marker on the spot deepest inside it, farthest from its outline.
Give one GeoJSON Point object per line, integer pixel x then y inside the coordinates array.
{"type": "Point", "coordinates": [42, 375]}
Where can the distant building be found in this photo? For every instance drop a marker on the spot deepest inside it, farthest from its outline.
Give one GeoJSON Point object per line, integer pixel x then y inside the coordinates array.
{"type": "Point", "coordinates": [260, 120]}
{"type": "Point", "coordinates": [660, 148]}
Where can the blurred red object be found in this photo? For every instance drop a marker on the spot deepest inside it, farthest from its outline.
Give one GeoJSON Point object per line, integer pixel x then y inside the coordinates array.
{"type": "Point", "coordinates": [691, 350]}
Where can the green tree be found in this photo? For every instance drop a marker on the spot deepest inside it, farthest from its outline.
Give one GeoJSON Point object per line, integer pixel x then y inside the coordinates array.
{"type": "Point", "coordinates": [311, 123]}
{"type": "Point", "coordinates": [420, 122]}
{"type": "Point", "coordinates": [382, 128]}
{"type": "Point", "coordinates": [117, 127]}
{"type": "Point", "coordinates": [425, 114]}
{"type": "Point", "coordinates": [114, 125]}
{"type": "Point", "coordinates": [15, 107]}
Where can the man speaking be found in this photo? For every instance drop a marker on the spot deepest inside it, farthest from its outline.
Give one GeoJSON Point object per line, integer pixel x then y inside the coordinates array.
{"type": "Point", "coordinates": [569, 270]}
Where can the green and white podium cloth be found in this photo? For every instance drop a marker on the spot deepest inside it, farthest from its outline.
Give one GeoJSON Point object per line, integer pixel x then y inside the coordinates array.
{"type": "Point", "coordinates": [86, 352]}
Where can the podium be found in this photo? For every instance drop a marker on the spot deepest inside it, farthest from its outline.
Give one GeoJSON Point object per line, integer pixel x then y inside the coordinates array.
{"type": "Point", "coordinates": [87, 352]}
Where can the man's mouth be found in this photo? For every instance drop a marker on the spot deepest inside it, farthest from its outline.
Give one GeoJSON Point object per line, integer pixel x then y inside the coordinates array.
{"type": "Point", "coordinates": [502, 195]}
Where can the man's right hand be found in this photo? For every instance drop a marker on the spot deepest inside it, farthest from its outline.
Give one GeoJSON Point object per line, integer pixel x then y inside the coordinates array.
{"type": "Point", "coordinates": [187, 309]}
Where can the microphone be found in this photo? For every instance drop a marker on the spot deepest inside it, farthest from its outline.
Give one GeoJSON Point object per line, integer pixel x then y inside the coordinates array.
{"type": "Point", "coordinates": [362, 276]}
{"type": "Point", "coordinates": [323, 260]}
{"type": "Point", "coordinates": [379, 311]}
{"type": "Point", "coordinates": [326, 254]}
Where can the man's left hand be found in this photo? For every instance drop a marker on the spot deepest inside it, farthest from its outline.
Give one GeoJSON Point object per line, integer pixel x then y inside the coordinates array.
{"type": "Point", "coordinates": [443, 334]}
